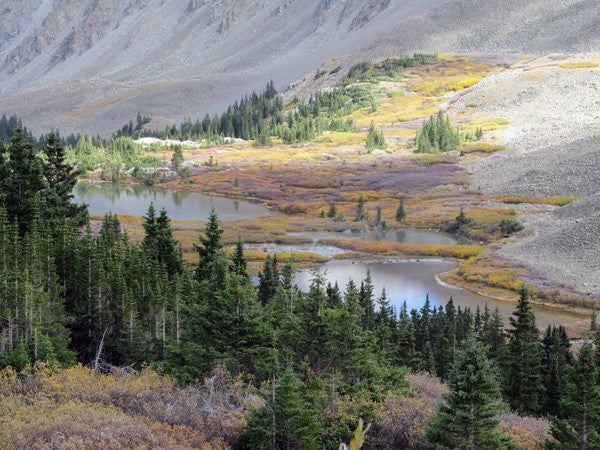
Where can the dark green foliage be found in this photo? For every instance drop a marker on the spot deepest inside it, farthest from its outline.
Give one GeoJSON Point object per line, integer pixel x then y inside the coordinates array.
{"type": "Point", "coordinates": [245, 119]}
{"type": "Point", "coordinates": [523, 387]}
{"type": "Point", "coordinates": [361, 212]}
{"type": "Point", "coordinates": [239, 261]}
{"type": "Point", "coordinates": [23, 182]}
{"type": "Point", "coordinates": [556, 363]}
{"type": "Point", "coordinates": [467, 420]}
{"type": "Point", "coordinates": [460, 221]}
{"type": "Point", "coordinates": [437, 135]}
{"type": "Point", "coordinates": [131, 130]}
{"type": "Point", "coordinates": [46, 352]}
{"type": "Point", "coordinates": [268, 280]}
{"type": "Point", "coordinates": [263, 140]}
{"type": "Point", "coordinates": [388, 67]}
{"type": "Point", "coordinates": [177, 158]}
{"type": "Point", "coordinates": [61, 179]}
{"type": "Point", "coordinates": [9, 126]}
{"type": "Point", "coordinates": [288, 421]}
{"type": "Point", "coordinates": [18, 358]}
{"type": "Point", "coordinates": [580, 408]}
{"type": "Point", "coordinates": [159, 242]}
{"type": "Point", "coordinates": [210, 250]}
{"type": "Point", "coordinates": [508, 227]}
{"type": "Point", "coordinates": [375, 139]}
{"type": "Point", "coordinates": [479, 133]}
{"type": "Point", "coordinates": [332, 213]}
{"type": "Point", "coordinates": [400, 212]}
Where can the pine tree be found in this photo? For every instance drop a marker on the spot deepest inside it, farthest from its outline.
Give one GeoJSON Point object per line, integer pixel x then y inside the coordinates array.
{"type": "Point", "coordinates": [493, 336]}
{"type": "Point", "coordinates": [556, 363]}
{"type": "Point", "coordinates": [375, 139]}
{"type": "Point", "coordinates": [287, 422]}
{"type": "Point", "coordinates": [210, 248]}
{"type": "Point", "coordinates": [361, 214]}
{"type": "Point", "coordinates": [159, 241]}
{"type": "Point", "coordinates": [467, 418]}
{"type": "Point", "coordinates": [366, 301]}
{"type": "Point", "coordinates": [581, 426]}
{"type": "Point", "coordinates": [61, 179]}
{"type": "Point", "coordinates": [332, 213]}
{"type": "Point", "coordinates": [177, 158]}
{"type": "Point", "coordinates": [239, 260]}
{"type": "Point", "coordinates": [22, 188]}
{"type": "Point", "coordinates": [400, 213]}
{"type": "Point", "coordinates": [46, 350]}
{"type": "Point", "coordinates": [523, 380]}
{"type": "Point", "coordinates": [268, 281]}
{"type": "Point", "coordinates": [19, 358]}
{"type": "Point", "coordinates": [378, 221]}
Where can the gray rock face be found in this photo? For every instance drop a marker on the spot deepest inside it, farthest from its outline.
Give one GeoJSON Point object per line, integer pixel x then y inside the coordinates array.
{"type": "Point", "coordinates": [90, 66]}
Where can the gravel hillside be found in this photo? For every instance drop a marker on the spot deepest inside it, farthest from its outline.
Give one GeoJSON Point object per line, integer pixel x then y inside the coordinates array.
{"type": "Point", "coordinates": [553, 149]}
{"type": "Point", "coordinates": [90, 66]}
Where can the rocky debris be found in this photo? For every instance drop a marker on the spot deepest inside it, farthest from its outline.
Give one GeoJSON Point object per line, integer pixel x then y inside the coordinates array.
{"type": "Point", "coordinates": [553, 149]}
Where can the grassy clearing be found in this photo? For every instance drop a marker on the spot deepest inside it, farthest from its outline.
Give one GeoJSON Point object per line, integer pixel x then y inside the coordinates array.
{"type": "Point", "coordinates": [343, 138]}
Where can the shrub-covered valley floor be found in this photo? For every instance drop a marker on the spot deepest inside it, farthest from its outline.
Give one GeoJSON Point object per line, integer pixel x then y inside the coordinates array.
{"type": "Point", "coordinates": [304, 179]}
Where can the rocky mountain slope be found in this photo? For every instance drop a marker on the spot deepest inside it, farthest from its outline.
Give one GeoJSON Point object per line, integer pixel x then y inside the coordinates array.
{"type": "Point", "coordinates": [551, 103]}
{"type": "Point", "coordinates": [91, 65]}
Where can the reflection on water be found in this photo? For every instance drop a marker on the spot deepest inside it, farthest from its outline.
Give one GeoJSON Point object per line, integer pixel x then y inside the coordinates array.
{"type": "Point", "coordinates": [135, 199]}
{"type": "Point", "coordinates": [411, 280]}
{"type": "Point", "coordinates": [405, 236]}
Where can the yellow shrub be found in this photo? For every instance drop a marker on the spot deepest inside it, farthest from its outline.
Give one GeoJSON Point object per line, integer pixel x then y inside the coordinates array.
{"type": "Point", "coordinates": [579, 65]}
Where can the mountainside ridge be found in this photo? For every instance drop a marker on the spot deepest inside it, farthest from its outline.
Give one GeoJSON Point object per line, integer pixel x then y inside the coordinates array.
{"type": "Point", "coordinates": [113, 58]}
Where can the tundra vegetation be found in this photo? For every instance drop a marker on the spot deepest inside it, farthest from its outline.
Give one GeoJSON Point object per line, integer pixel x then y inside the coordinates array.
{"type": "Point", "coordinates": [153, 329]}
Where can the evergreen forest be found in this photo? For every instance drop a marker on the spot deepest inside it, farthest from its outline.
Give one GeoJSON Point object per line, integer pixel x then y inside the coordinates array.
{"type": "Point", "coordinates": [317, 361]}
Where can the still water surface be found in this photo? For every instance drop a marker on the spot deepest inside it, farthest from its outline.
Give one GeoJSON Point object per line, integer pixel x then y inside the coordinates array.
{"type": "Point", "coordinates": [411, 280]}
{"type": "Point", "coordinates": [135, 199]}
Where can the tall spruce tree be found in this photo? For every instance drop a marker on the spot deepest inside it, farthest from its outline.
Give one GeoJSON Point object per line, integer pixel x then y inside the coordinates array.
{"type": "Point", "coordinates": [523, 387]}
{"type": "Point", "coordinates": [23, 182]}
{"type": "Point", "coordinates": [556, 365]}
{"type": "Point", "coordinates": [581, 426]}
{"type": "Point", "coordinates": [239, 260]}
{"type": "Point", "coordinates": [467, 419]}
{"type": "Point", "coordinates": [210, 249]}
{"type": "Point", "coordinates": [61, 178]}
{"type": "Point", "coordinates": [288, 421]}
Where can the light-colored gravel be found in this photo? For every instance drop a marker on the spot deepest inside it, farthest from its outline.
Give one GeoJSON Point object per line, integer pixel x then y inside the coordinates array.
{"type": "Point", "coordinates": [553, 149]}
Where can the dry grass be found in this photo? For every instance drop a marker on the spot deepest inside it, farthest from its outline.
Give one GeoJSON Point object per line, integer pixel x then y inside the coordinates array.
{"type": "Point", "coordinates": [579, 65]}
{"type": "Point", "coordinates": [481, 147]}
{"type": "Point", "coordinates": [556, 201]}
{"type": "Point", "coordinates": [394, 249]}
